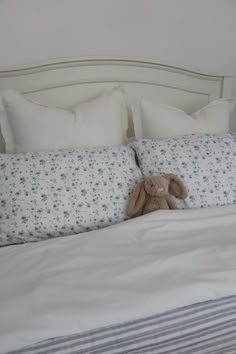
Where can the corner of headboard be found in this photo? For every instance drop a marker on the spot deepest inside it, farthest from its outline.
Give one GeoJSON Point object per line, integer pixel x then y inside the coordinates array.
{"type": "Point", "coordinates": [227, 86]}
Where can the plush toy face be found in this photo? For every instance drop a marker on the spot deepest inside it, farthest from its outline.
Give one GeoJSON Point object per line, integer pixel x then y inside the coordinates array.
{"type": "Point", "coordinates": [156, 186]}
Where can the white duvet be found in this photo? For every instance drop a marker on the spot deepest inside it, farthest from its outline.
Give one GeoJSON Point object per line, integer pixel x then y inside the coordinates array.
{"type": "Point", "coordinates": [144, 266]}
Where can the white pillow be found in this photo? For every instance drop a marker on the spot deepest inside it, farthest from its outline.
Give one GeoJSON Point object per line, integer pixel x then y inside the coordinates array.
{"type": "Point", "coordinates": [153, 120]}
{"type": "Point", "coordinates": [30, 126]}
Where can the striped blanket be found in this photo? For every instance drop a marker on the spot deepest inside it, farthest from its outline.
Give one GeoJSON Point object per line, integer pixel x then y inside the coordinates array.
{"type": "Point", "coordinates": [207, 327]}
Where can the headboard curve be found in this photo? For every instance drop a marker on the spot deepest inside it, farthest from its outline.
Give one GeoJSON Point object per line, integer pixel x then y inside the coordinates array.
{"type": "Point", "coordinates": [64, 82]}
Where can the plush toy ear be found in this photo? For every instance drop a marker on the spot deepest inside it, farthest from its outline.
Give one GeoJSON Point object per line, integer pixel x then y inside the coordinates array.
{"type": "Point", "coordinates": [137, 200]}
{"type": "Point", "coordinates": [176, 186]}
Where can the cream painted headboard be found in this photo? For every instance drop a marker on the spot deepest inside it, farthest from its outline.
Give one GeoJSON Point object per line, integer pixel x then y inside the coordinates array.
{"type": "Point", "coordinates": [64, 82]}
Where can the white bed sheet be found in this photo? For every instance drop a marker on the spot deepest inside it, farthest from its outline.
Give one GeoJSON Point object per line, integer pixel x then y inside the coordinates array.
{"type": "Point", "coordinates": [140, 267]}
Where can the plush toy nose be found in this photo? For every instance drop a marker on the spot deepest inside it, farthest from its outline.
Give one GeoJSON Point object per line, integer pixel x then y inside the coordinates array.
{"type": "Point", "coordinates": [160, 189]}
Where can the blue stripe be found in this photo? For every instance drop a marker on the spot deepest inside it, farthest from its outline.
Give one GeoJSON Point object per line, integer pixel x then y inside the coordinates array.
{"type": "Point", "coordinates": [224, 350]}
{"type": "Point", "coordinates": [186, 349]}
{"type": "Point", "coordinates": [159, 319]}
{"type": "Point", "coordinates": [169, 329]}
{"type": "Point", "coordinates": [192, 335]}
{"type": "Point", "coordinates": [166, 329]}
{"type": "Point", "coordinates": [137, 325]}
{"type": "Point", "coordinates": [132, 339]}
{"type": "Point", "coordinates": [151, 337]}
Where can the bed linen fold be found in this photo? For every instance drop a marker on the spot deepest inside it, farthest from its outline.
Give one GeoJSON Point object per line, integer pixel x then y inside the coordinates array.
{"type": "Point", "coordinates": [145, 266]}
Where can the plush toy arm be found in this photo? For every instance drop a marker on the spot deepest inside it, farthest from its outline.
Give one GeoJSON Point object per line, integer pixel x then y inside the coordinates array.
{"type": "Point", "coordinates": [137, 201]}
{"type": "Point", "coordinates": [176, 186]}
{"type": "Point", "coordinates": [171, 203]}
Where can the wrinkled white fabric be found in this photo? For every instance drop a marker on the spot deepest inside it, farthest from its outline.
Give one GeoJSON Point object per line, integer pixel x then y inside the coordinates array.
{"type": "Point", "coordinates": [140, 267]}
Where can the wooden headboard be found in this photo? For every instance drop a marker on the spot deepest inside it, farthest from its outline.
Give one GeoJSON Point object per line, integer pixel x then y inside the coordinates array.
{"type": "Point", "coordinates": [64, 82]}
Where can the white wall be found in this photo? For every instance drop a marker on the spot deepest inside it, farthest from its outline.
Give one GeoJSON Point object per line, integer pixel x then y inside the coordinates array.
{"type": "Point", "coordinates": [196, 33]}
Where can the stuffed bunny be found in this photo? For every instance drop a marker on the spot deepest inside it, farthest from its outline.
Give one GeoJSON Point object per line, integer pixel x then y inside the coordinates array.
{"type": "Point", "coordinates": [153, 194]}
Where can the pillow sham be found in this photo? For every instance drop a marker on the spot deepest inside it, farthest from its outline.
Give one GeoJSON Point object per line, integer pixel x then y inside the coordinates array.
{"type": "Point", "coordinates": [205, 162]}
{"type": "Point", "coordinates": [153, 120]}
{"type": "Point", "coordinates": [30, 126]}
{"type": "Point", "coordinates": [51, 194]}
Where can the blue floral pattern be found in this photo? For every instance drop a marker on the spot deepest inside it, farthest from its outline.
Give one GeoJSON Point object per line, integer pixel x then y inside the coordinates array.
{"type": "Point", "coordinates": [205, 162]}
{"type": "Point", "coordinates": [51, 194]}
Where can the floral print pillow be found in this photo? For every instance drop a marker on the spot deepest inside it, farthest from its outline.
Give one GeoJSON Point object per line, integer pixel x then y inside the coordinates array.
{"type": "Point", "coordinates": [206, 163]}
{"type": "Point", "coordinates": [50, 194]}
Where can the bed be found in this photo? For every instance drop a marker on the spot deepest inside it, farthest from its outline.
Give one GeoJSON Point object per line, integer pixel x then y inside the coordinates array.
{"type": "Point", "coordinates": [159, 283]}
